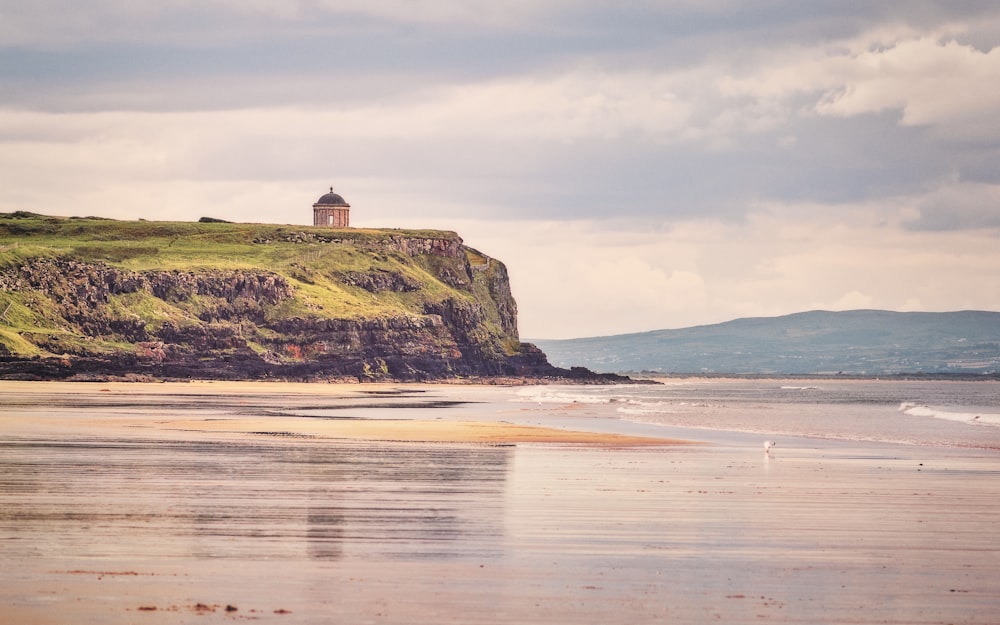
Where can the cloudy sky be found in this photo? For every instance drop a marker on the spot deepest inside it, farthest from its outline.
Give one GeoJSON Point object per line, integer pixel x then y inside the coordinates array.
{"type": "Point", "coordinates": [637, 164]}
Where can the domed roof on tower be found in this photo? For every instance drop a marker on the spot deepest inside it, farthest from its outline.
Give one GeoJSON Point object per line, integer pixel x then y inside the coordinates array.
{"type": "Point", "coordinates": [331, 199]}
{"type": "Point", "coordinates": [332, 210]}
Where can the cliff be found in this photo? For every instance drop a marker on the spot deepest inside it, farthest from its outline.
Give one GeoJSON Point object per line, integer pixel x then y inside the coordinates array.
{"type": "Point", "coordinates": [88, 298]}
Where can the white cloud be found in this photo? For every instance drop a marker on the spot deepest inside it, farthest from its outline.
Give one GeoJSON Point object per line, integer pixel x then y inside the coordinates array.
{"type": "Point", "coordinates": [565, 106]}
{"type": "Point", "coordinates": [929, 77]}
{"type": "Point", "coordinates": [912, 305]}
{"type": "Point", "coordinates": [929, 81]}
{"type": "Point", "coordinates": [853, 300]}
{"type": "Point", "coordinates": [588, 278]}
{"type": "Point", "coordinates": [397, 139]}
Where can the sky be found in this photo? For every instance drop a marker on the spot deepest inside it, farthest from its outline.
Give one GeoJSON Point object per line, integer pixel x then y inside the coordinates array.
{"type": "Point", "coordinates": [636, 164]}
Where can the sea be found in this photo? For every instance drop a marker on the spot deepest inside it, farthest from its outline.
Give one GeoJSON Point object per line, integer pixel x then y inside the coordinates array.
{"type": "Point", "coordinates": [907, 412]}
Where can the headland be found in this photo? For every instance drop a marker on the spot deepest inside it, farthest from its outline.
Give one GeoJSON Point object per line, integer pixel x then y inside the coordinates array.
{"type": "Point", "coordinates": [100, 299]}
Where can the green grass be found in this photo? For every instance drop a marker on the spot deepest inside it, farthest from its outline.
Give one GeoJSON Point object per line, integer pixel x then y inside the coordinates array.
{"type": "Point", "coordinates": [31, 320]}
{"type": "Point", "coordinates": [312, 259]}
{"type": "Point", "coordinates": [29, 311]}
{"type": "Point", "coordinates": [143, 245]}
{"type": "Point", "coordinates": [152, 311]}
{"type": "Point", "coordinates": [16, 344]}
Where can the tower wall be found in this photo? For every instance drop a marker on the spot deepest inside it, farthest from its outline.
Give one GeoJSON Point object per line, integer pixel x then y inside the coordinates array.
{"type": "Point", "coordinates": [336, 217]}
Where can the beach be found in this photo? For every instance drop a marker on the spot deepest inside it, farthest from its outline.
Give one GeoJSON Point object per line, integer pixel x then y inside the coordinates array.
{"type": "Point", "coordinates": [287, 503]}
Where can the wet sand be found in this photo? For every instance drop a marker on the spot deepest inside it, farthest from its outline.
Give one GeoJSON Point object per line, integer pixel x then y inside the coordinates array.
{"type": "Point", "coordinates": [373, 504]}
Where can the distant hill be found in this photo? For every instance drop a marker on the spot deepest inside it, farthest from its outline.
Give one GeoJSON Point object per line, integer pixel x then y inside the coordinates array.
{"type": "Point", "coordinates": [866, 342]}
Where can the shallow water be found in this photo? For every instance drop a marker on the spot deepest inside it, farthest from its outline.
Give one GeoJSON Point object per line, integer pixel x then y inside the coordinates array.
{"type": "Point", "coordinates": [131, 524]}
{"type": "Point", "coordinates": [937, 413]}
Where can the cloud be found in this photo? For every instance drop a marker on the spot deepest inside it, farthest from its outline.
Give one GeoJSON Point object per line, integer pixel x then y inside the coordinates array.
{"type": "Point", "coordinates": [61, 23]}
{"type": "Point", "coordinates": [637, 165]}
{"type": "Point", "coordinates": [958, 205]}
{"type": "Point", "coordinates": [580, 271]}
{"type": "Point", "coordinates": [854, 300]}
{"type": "Point", "coordinates": [932, 83]}
{"type": "Point", "coordinates": [584, 278]}
{"type": "Point", "coordinates": [929, 79]}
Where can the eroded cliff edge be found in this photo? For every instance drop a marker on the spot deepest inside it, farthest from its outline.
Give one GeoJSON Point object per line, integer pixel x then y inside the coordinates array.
{"type": "Point", "coordinates": [86, 298]}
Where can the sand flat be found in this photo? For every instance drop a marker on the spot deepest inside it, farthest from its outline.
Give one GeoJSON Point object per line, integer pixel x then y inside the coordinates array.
{"type": "Point", "coordinates": [411, 431]}
{"type": "Point", "coordinates": [225, 401]}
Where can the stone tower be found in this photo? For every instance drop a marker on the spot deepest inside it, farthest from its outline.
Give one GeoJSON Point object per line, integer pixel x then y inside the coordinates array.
{"type": "Point", "coordinates": [332, 210]}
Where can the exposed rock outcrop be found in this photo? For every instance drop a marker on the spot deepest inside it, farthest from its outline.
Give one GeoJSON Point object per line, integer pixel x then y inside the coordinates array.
{"type": "Point", "coordinates": [91, 300]}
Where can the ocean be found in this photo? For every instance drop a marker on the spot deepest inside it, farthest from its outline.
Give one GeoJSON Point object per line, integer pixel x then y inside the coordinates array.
{"type": "Point", "coordinates": [941, 413]}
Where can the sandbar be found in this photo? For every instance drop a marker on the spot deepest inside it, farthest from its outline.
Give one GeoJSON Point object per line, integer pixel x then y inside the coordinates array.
{"type": "Point", "coordinates": [412, 431]}
{"type": "Point", "coordinates": [225, 401]}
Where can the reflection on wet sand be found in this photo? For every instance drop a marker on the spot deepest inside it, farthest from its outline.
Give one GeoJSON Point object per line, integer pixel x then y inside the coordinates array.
{"type": "Point", "coordinates": [231, 500]}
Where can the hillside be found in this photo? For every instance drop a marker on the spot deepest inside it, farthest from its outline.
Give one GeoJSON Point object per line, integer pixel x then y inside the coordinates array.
{"type": "Point", "coordinates": [861, 342]}
{"type": "Point", "coordinates": [85, 298]}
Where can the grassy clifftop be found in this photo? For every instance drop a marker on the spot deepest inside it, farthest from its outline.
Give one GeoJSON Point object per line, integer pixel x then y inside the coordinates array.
{"type": "Point", "coordinates": [298, 253]}
{"type": "Point", "coordinates": [251, 300]}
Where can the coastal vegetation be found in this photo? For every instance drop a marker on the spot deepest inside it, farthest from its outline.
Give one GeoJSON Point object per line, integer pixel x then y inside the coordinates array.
{"type": "Point", "coordinates": [93, 296]}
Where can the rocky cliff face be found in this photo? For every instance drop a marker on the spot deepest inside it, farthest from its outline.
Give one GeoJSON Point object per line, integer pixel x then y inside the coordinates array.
{"type": "Point", "coordinates": [94, 299]}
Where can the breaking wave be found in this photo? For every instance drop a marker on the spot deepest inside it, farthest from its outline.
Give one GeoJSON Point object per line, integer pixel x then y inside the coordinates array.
{"type": "Point", "coordinates": [626, 400]}
{"type": "Point", "coordinates": [973, 418]}
{"type": "Point", "coordinates": [572, 395]}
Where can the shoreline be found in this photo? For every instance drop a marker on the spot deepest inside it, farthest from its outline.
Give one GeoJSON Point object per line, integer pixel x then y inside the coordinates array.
{"type": "Point", "coordinates": [279, 421]}
{"type": "Point", "coordinates": [593, 378]}
{"type": "Point", "coordinates": [888, 377]}
{"type": "Point", "coordinates": [127, 503]}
